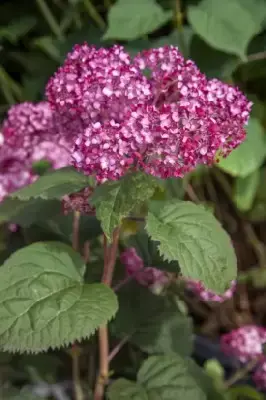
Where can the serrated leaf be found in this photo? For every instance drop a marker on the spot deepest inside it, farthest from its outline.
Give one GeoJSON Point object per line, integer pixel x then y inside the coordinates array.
{"type": "Point", "coordinates": [151, 322]}
{"type": "Point", "coordinates": [218, 22]}
{"type": "Point", "coordinates": [123, 389]}
{"type": "Point", "coordinates": [114, 200]}
{"type": "Point", "coordinates": [245, 190]}
{"type": "Point", "coordinates": [147, 249]}
{"type": "Point", "coordinates": [129, 20]}
{"type": "Point", "coordinates": [249, 156]}
{"type": "Point", "coordinates": [54, 185]}
{"type": "Point", "coordinates": [190, 234]}
{"type": "Point", "coordinates": [25, 212]}
{"type": "Point", "coordinates": [44, 302]}
{"type": "Point", "coordinates": [169, 378]}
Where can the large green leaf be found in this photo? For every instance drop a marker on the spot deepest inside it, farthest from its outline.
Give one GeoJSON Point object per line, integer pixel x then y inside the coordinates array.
{"type": "Point", "coordinates": [17, 28]}
{"type": "Point", "coordinates": [249, 156]}
{"type": "Point", "coordinates": [153, 324]}
{"type": "Point", "coordinates": [114, 200]}
{"type": "Point", "coordinates": [123, 389]}
{"type": "Point", "coordinates": [147, 249]}
{"type": "Point", "coordinates": [169, 378]}
{"type": "Point", "coordinates": [25, 213]}
{"type": "Point", "coordinates": [191, 234]}
{"type": "Point", "coordinates": [245, 190]}
{"type": "Point", "coordinates": [228, 25]}
{"type": "Point", "coordinates": [54, 185]}
{"type": "Point", "coordinates": [44, 302]}
{"type": "Point", "coordinates": [129, 20]}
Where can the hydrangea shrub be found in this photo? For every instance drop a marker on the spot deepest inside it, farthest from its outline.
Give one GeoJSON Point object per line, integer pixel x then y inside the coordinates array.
{"type": "Point", "coordinates": [111, 129]}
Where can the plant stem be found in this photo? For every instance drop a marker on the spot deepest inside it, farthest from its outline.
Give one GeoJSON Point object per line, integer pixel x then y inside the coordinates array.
{"type": "Point", "coordinates": [50, 19]}
{"type": "Point", "coordinates": [76, 374]}
{"type": "Point", "coordinates": [179, 25]}
{"type": "Point", "coordinates": [108, 270]}
{"type": "Point", "coordinates": [93, 13]}
{"type": "Point", "coordinates": [241, 373]}
{"type": "Point", "coordinates": [118, 347]}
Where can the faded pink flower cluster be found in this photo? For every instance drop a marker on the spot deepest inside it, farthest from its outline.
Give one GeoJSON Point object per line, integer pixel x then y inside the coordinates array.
{"type": "Point", "coordinates": [204, 294]}
{"type": "Point", "coordinates": [28, 135]}
{"type": "Point", "coordinates": [245, 344]}
{"type": "Point", "coordinates": [156, 112]}
{"type": "Point", "coordinates": [146, 276]}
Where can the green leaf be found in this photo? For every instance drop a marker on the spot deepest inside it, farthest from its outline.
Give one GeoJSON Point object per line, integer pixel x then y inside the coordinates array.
{"type": "Point", "coordinates": [129, 20]}
{"type": "Point", "coordinates": [152, 323]}
{"type": "Point", "coordinates": [249, 156]}
{"type": "Point", "coordinates": [25, 213]}
{"type": "Point", "coordinates": [169, 378]}
{"type": "Point", "coordinates": [245, 190]}
{"type": "Point", "coordinates": [54, 185]}
{"type": "Point", "coordinates": [114, 200]}
{"type": "Point", "coordinates": [123, 389]}
{"type": "Point", "coordinates": [147, 249]}
{"type": "Point", "coordinates": [174, 188]}
{"type": "Point", "coordinates": [218, 22]}
{"type": "Point", "coordinates": [190, 234]}
{"type": "Point", "coordinates": [44, 302]}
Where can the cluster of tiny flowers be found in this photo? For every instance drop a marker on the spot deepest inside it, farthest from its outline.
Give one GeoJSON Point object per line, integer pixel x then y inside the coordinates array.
{"type": "Point", "coordinates": [146, 276]}
{"type": "Point", "coordinates": [245, 344]}
{"type": "Point", "coordinates": [165, 122]}
{"type": "Point", "coordinates": [28, 136]}
{"type": "Point", "coordinates": [204, 294]}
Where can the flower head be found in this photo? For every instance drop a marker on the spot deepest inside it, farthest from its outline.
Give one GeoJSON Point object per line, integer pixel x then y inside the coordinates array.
{"type": "Point", "coordinates": [27, 124]}
{"type": "Point", "coordinates": [146, 276]}
{"type": "Point", "coordinates": [164, 124]}
{"type": "Point", "coordinates": [259, 376]}
{"type": "Point", "coordinates": [204, 294]}
{"type": "Point", "coordinates": [244, 343]}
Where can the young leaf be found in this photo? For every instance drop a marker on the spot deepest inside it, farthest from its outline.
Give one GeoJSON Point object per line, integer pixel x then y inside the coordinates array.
{"type": "Point", "coordinates": [44, 302]}
{"type": "Point", "coordinates": [123, 389]}
{"type": "Point", "coordinates": [168, 377]}
{"type": "Point", "coordinates": [25, 213]}
{"type": "Point", "coordinates": [54, 185]}
{"type": "Point", "coordinates": [129, 20]}
{"type": "Point", "coordinates": [249, 156]}
{"type": "Point", "coordinates": [190, 234]}
{"type": "Point", "coordinates": [245, 190]}
{"type": "Point", "coordinates": [114, 200]}
{"type": "Point", "coordinates": [151, 322]}
{"type": "Point", "coordinates": [217, 22]}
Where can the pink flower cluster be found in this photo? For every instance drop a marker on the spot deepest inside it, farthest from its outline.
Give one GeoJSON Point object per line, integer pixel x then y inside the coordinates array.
{"type": "Point", "coordinates": [146, 276]}
{"type": "Point", "coordinates": [164, 122]}
{"type": "Point", "coordinates": [28, 135]}
{"type": "Point", "coordinates": [245, 344]}
{"type": "Point", "coordinates": [204, 294]}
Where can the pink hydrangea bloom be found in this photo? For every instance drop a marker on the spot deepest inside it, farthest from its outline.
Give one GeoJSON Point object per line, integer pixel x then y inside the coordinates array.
{"type": "Point", "coordinates": [244, 343]}
{"type": "Point", "coordinates": [259, 376]}
{"type": "Point", "coordinates": [14, 171]}
{"type": "Point", "coordinates": [27, 124]}
{"type": "Point", "coordinates": [165, 124]}
{"type": "Point", "coordinates": [146, 276]}
{"type": "Point", "coordinates": [16, 164]}
{"type": "Point", "coordinates": [208, 295]}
